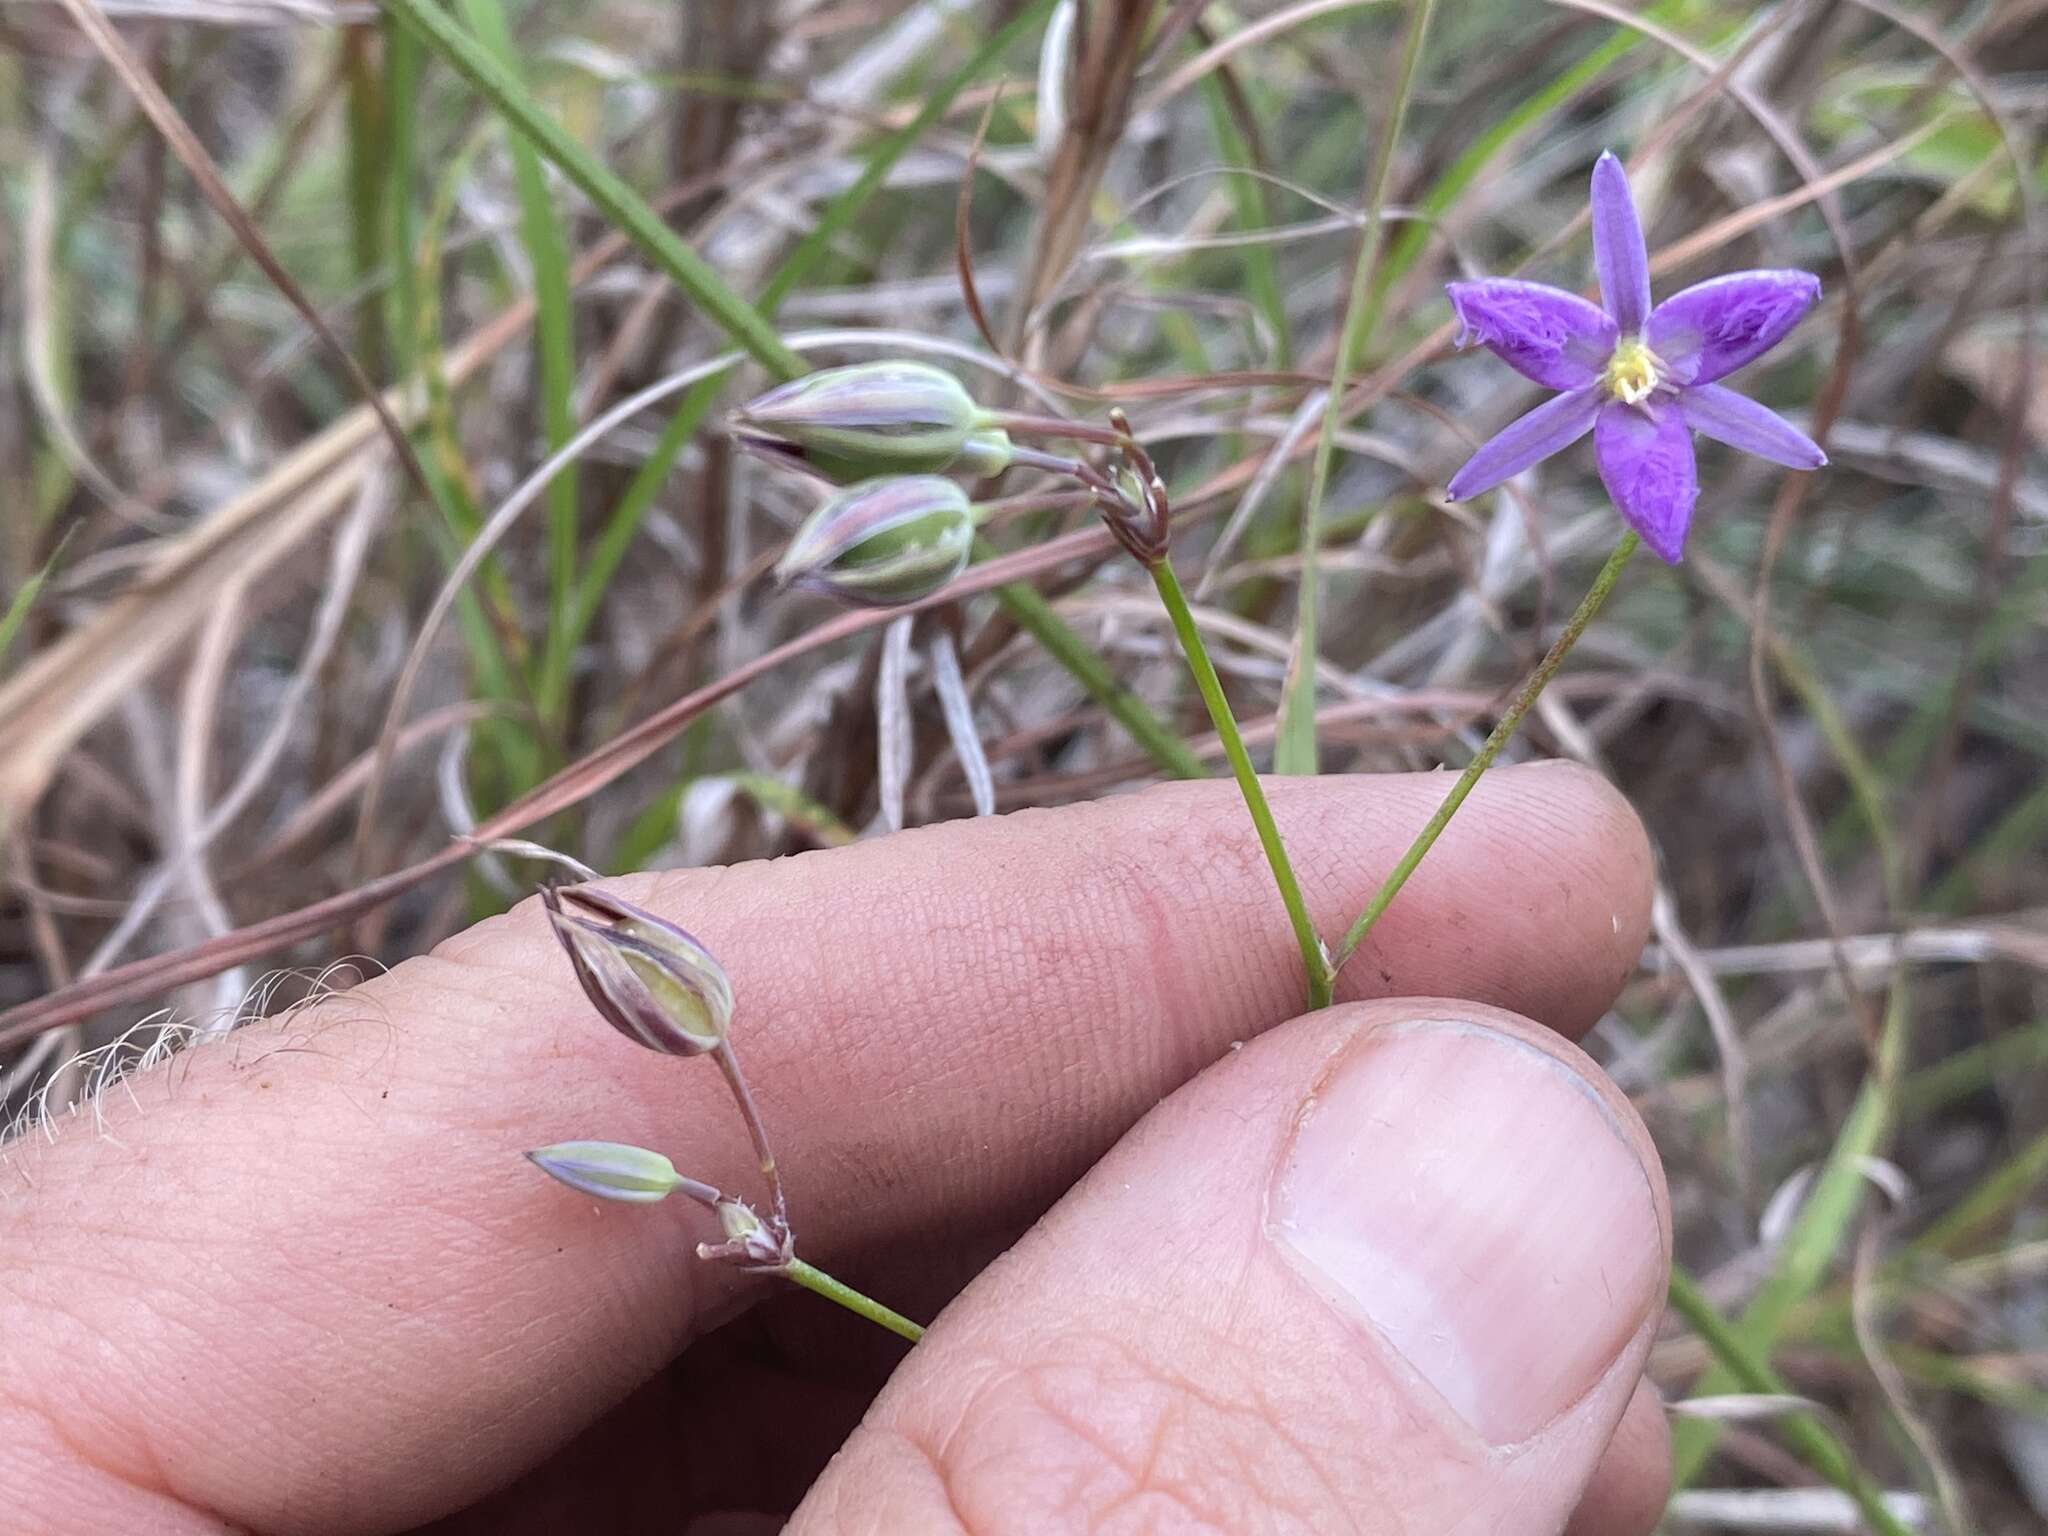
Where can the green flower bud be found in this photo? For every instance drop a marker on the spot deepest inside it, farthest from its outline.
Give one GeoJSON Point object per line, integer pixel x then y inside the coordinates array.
{"type": "Point", "coordinates": [883, 542]}
{"type": "Point", "coordinates": [610, 1170]}
{"type": "Point", "coordinates": [872, 419]}
{"type": "Point", "coordinates": [646, 977]}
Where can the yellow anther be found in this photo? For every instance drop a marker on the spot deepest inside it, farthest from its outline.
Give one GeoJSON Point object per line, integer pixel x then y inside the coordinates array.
{"type": "Point", "coordinates": [1633, 372]}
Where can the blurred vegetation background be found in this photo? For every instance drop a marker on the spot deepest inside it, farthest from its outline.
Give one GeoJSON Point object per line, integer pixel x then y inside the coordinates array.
{"type": "Point", "coordinates": [237, 741]}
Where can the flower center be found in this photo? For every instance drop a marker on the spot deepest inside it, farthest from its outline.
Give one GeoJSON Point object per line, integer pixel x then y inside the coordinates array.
{"type": "Point", "coordinates": [1633, 372]}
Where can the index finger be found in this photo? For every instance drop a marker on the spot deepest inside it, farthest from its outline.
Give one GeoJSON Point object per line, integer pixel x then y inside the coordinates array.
{"type": "Point", "coordinates": [306, 1279]}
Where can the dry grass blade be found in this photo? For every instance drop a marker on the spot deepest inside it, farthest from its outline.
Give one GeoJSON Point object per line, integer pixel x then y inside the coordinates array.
{"type": "Point", "coordinates": [1864, 1310]}
{"type": "Point", "coordinates": [1109, 45]}
{"type": "Point", "coordinates": [192, 154]}
{"type": "Point", "coordinates": [894, 747]}
{"type": "Point", "coordinates": [958, 708]}
{"type": "Point", "coordinates": [1787, 1511]}
{"type": "Point", "coordinates": [39, 309]}
{"type": "Point", "coordinates": [963, 249]}
{"type": "Point", "coordinates": [63, 690]}
{"type": "Point", "coordinates": [147, 978]}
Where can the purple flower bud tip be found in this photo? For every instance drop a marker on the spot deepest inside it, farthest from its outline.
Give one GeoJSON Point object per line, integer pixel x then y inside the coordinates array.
{"type": "Point", "coordinates": [609, 1170]}
{"type": "Point", "coordinates": [871, 419]}
{"type": "Point", "coordinates": [646, 977]}
{"type": "Point", "coordinates": [1642, 380]}
{"type": "Point", "coordinates": [883, 542]}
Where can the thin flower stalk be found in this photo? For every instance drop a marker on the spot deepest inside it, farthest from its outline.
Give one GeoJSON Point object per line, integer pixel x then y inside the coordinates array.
{"type": "Point", "coordinates": [1133, 502]}
{"type": "Point", "coordinates": [1024, 424]}
{"type": "Point", "coordinates": [757, 1130]}
{"type": "Point", "coordinates": [606, 1170]}
{"type": "Point", "coordinates": [1498, 738]}
{"type": "Point", "coordinates": [816, 1280]}
{"type": "Point", "coordinates": [1315, 958]}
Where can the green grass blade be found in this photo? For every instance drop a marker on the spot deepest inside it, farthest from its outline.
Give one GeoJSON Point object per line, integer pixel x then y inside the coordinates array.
{"type": "Point", "coordinates": [624, 523]}
{"type": "Point", "coordinates": [1489, 145]}
{"type": "Point", "coordinates": [1991, 1200]}
{"type": "Point", "coordinates": [1249, 196]}
{"type": "Point", "coordinates": [1294, 748]}
{"type": "Point", "coordinates": [1032, 613]}
{"type": "Point", "coordinates": [1743, 1369]}
{"type": "Point", "coordinates": [746, 325]}
{"type": "Point", "coordinates": [846, 207]}
{"type": "Point", "coordinates": [554, 317]}
{"type": "Point", "coordinates": [24, 600]}
{"type": "Point", "coordinates": [367, 124]}
{"type": "Point", "coordinates": [1810, 1247]}
{"type": "Point", "coordinates": [403, 66]}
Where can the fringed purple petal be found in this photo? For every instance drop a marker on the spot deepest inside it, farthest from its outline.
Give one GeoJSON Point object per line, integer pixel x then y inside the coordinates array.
{"type": "Point", "coordinates": [1740, 422]}
{"type": "Point", "coordinates": [1713, 328]}
{"type": "Point", "coordinates": [1552, 426]}
{"type": "Point", "coordinates": [1556, 338]}
{"type": "Point", "coordinates": [1646, 460]}
{"type": "Point", "coordinates": [1619, 256]}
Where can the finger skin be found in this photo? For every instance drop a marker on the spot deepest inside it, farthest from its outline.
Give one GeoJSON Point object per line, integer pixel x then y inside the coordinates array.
{"type": "Point", "coordinates": [1633, 1481]}
{"type": "Point", "coordinates": [1151, 1358]}
{"type": "Point", "coordinates": [954, 1020]}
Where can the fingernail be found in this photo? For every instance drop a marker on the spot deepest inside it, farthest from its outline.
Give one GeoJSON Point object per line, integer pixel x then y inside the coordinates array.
{"type": "Point", "coordinates": [1473, 1200]}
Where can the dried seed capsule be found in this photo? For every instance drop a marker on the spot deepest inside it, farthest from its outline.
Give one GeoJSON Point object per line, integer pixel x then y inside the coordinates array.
{"type": "Point", "coordinates": [648, 978]}
{"type": "Point", "coordinates": [747, 1238]}
{"type": "Point", "coordinates": [610, 1170]}
{"type": "Point", "coordinates": [887, 418]}
{"type": "Point", "coordinates": [883, 542]}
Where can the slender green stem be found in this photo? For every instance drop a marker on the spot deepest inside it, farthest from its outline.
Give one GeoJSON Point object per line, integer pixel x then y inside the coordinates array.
{"type": "Point", "coordinates": [1294, 748]}
{"type": "Point", "coordinates": [1502, 733]}
{"type": "Point", "coordinates": [1811, 1439]}
{"type": "Point", "coordinates": [757, 1129]}
{"type": "Point", "coordinates": [554, 328]}
{"type": "Point", "coordinates": [1313, 956]}
{"type": "Point", "coordinates": [814, 1279]}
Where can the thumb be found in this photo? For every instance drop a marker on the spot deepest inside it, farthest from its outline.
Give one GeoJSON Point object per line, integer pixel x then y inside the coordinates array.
{"type": "Point", "coordinates": [1393, 1267]}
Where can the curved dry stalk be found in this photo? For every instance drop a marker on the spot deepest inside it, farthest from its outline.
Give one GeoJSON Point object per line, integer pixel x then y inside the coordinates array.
{"type": "Point", "coordinates": [351, 546]}
{"type": "Point", "coordinates": [39, 311]}
{"type": "Point", "coordinates": [958, 708]}
{"type": "Point", "coordinates": [1252, 33]}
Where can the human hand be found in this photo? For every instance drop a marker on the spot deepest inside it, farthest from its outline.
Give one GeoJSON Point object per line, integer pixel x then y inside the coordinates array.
{"type": "Point", "coordinates": [1392, 1267]}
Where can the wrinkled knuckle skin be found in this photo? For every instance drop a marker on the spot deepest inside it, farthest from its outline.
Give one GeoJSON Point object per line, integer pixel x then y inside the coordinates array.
{"type": "Point", "coordinates": [1093, 1438]}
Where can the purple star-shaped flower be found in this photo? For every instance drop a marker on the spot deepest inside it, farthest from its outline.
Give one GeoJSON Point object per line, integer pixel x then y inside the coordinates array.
{"type": "Point", "coordinates": [1641, 380]}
